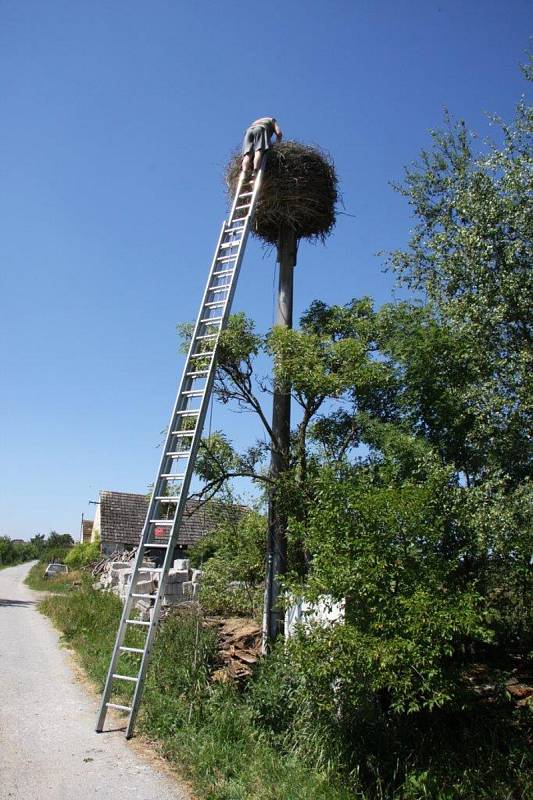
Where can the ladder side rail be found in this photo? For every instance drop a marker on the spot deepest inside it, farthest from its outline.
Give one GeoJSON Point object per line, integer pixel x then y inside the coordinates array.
{"type": "Point", "coordinates": [191, 462]}
{"type": "Point", "coordinates": [236, 198]}
{"type": "Point", "coordinates": [128, 603]}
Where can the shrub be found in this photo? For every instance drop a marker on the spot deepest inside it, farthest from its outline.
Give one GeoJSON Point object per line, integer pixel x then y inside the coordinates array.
{"type": "Point", "coordinates": [83, 554]}
{"type": "Point", "coordinates": [234, 572]}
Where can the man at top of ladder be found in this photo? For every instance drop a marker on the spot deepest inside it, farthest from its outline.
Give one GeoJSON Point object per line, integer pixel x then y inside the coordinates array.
{"type": "Point", "coordinates": [257, 140]}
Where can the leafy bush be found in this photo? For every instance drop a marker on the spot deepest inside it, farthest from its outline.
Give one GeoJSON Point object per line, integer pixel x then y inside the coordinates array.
{"type": "Point", "coordinates": [233, 575]}
{"type": "Point", "coordinates": [394, 550]}
{"type": "Point", "coordinates": [12, 553]}
{"type": "Point", "coordinates": [83, 554]}
{"type": "Point", "coordinates": [54, 554]}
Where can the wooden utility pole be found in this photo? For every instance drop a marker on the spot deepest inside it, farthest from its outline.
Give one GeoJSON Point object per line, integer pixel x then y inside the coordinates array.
{"type": "Point", "coordinates": [281, 427]}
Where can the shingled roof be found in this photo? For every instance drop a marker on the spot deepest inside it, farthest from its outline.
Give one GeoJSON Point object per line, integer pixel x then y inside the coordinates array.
{"type": "Point", "coordinates": [122, 516]}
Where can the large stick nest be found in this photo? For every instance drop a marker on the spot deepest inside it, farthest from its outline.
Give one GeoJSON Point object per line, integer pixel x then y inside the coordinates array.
{"type": "Point", "coordinates": [299, 191]}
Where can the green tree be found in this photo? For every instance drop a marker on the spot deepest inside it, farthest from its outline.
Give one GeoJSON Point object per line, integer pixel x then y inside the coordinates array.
{"type": "Point", "coordinates": [407, 483]}
{"type": "Point", "coordinates": [55, 539]}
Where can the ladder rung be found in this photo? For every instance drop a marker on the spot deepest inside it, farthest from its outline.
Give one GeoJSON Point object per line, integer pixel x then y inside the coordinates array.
{"type": "Point", "coordinates": [188, 413]}
{"type": "Point", "coordinates": [222, 274]}
{"type": "Point", "coordinates": [193, 392]}
{"type": "Point", "coordinates": [172, 476]}
{"type": "Point", "coordinates": [168, 498]}
{"type": "Point", "coordinates": [225, 245]}
{"type": "Point", "coordinates": [240, 208]}
{"type": "Point", "coordinates": [116, 705]}
{"type": "Point", "coordinates": [131, 649]}
{"type": "Point", "coordinates": [158, 546]}
{"type": "Point", "coordinates": [125, 677]}
{"type": "Point", "coordinates": [215, 304]}
{"type": "Point", "coordinates": [223, 288]}
{"type": "Point", "coordinates": [163, 522]}
{"type": "Point", "coordinates": [184, 433]}
{"type": "Point", "coordinates": [227, 259]}
{"type": "Point", "coordinates": [150, 569]}
{"type": "Point", "coordinates": [211, 320]}
{"type": "Point", "coordinates": [137, 622]}
{"type": "Point", "coordinates": [180, 453]}
{"type": "Point", "coordinates": [202, 355]}
{"type": "Point", "coordinates": [205, 336]}
{"type": "Point", "coordinates": [146, 596]}
{"type": "Point", "coordinates": [246, 194]}
{"type": "Point", "coordinates": [198, 373]}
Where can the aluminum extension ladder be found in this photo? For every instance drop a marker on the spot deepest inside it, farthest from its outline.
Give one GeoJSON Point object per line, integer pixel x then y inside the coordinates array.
{"type": "Point", "coordinates": [183, 438]}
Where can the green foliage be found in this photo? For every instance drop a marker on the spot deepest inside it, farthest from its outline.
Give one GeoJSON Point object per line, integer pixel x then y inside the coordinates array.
{"type": "Point", "coordinates": [238, 343]}
{"type": "Point", "coordinates": [59, 540]}
{"type": "Point", "coordinates": [207, 732]}
{"type": "Point", "coordinates": [234, 571]}
{"type": "Point", "coordinates": [12, 553]}
{"type": "Point", "coordinates": [393, 549]}
{"type": "Point", "coordinates": [279, 740]}
{"type": "Point", "coordinates": [216, 457]}
{"type": "Point", "coordinates": [82, 554]}
{"type": "Point", "coordinates": [471, 254]}
{"type": "Point", "coordinates": [88, 621]}
{"type": "Point", "coordinates": [54, 554]}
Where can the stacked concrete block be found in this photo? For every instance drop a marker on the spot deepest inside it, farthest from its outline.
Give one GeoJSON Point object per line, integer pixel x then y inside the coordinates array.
{"type": "Point", "coordinates": [189, 590]}
{"type": "Point", "coordinates": [174, 585]}
{"type": "Point", "coordinates": [183, 583]}
{"type": "Point", "coordinates": [111, 576]}
{"type": "Point", "coordinates": [146, 587]}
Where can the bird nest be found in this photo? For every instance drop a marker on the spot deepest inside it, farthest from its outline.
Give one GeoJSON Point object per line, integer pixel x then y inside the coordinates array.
{"type": "Point", "coordinates": [299, 191]}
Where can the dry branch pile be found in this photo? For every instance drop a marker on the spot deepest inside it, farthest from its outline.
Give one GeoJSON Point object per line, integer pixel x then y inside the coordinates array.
{"type": "Point", "coordinates": [299, 191]}
{"type": "Point", "coordinates": [105, 561]}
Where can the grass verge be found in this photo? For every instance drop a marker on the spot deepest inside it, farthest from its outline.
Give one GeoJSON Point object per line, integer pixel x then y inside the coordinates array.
{"type": "Point", "coordinates": [60, 583]}
{"type": "Point", "coordinates": [222, 739]}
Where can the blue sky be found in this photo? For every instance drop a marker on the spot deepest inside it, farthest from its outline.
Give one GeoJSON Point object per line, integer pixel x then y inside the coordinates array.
{"type": "Point", "coordinates": [117, 121]}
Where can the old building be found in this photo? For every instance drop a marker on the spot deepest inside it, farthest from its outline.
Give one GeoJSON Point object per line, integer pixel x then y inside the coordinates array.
{"type": "Point", "coordinates": [120, 516]}
{"type": "Point", "coordinates": [86, 530]}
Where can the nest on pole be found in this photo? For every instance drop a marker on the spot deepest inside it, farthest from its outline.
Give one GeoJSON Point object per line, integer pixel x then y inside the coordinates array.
{"type": "Point", "coordinates": [299, 192]}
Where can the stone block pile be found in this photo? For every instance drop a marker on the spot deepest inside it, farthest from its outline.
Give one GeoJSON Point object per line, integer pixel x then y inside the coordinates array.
{"type": "Point", "coordinates": [183, 583]}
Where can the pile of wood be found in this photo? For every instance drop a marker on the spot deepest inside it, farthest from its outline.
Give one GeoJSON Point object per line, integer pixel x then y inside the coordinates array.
{"type": "Point", "coordinates": [239, 648]}
{"type": "Point", "coordinates": [105, 561]}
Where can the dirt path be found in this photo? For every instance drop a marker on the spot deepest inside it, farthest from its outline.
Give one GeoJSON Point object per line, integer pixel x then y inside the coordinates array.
{"type": "Point", "coordinates": [48, 747]}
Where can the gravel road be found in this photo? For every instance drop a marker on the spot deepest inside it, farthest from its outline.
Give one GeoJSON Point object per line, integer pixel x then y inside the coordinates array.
{"type": "Point", "coordinates": [48, 747]}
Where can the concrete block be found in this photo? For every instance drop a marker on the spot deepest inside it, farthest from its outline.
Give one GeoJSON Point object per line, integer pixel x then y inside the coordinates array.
{"type": "Point", "coordinates": [174, 588]}
{"type": "Point", "coordinates": [119, 565]}
{"type": "Point", "coordinates": [143, 605]}
{"type": "Point", "coordinates": [123, 575]}
{"type": "Point", "coordinates": [145, 587]}
{"type": "Point", "coordinates": [181, 564]}
{"type": "Point", "coordinates": [177, 576]}
{"type": "Point", "coordinates": [189, 589]}
{"type": "Point", "coordinates": [172, 599]}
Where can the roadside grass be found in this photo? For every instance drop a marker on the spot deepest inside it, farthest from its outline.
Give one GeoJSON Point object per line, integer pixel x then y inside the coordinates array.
{"type": "Point", "coordinates": [206, 732]}
{"type": "Point", "coordinates": [60, 583]}
{"type": "Point", "coordinates": [221, 739]}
